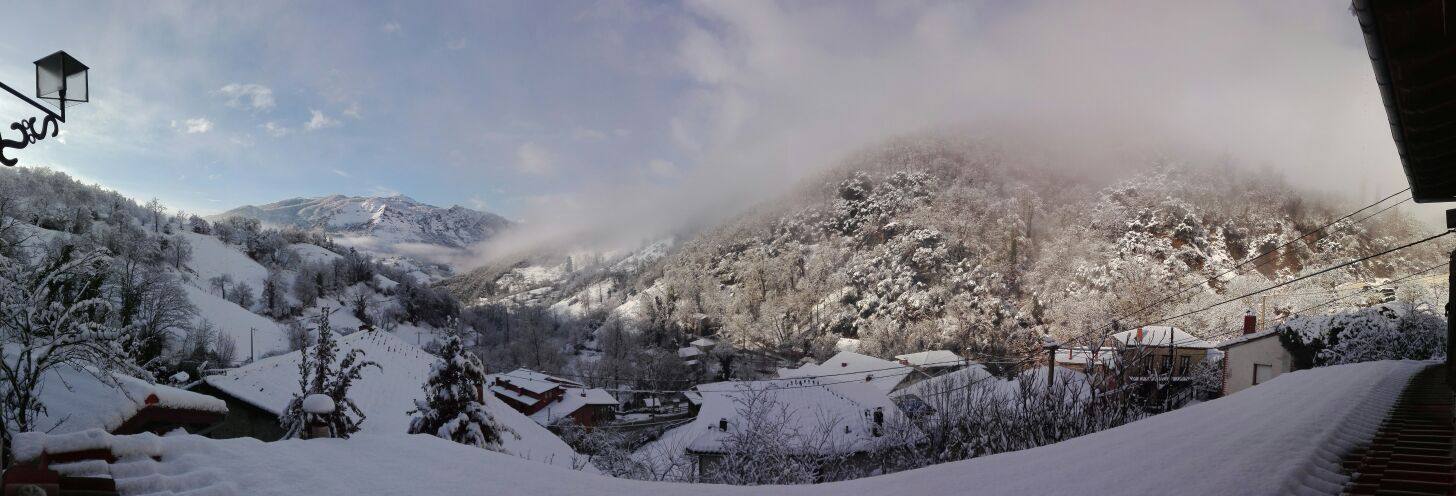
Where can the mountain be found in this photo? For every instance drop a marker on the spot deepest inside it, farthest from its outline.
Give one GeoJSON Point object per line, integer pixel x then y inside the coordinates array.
{"type": "Point", "coordinates": [378, 224]}
{"type": "Point", "coordinates": [932, 243]}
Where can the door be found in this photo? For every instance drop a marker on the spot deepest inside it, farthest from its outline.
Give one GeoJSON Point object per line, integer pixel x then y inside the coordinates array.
{"type": "Point", "coordinates": [1262, 373]}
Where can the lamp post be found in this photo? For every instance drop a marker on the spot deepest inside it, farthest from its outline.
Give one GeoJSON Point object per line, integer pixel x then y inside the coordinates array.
{"type": "Point", "coordinates": [61, 81]}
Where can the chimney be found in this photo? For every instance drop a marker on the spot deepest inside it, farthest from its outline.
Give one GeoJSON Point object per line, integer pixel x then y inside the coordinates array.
{"type": "Point", "coordinates": [723, 424]}
{"type": "Point", "coordinates": [1250, 321]}
{"type": "Point", "coordinates": [1140, 335]}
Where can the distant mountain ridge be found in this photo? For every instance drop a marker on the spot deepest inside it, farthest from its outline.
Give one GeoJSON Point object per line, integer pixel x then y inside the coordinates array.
{"type": "Point", "coordinates": [386, 221]}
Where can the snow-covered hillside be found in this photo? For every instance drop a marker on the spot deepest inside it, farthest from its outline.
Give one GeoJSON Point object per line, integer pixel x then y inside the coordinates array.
{"type": "Point", "coordinates": [379, 224]}
{"type": "Point", "coordinates": [387, 394]}
{"type": "Point", "coordinates": [1284, 437]}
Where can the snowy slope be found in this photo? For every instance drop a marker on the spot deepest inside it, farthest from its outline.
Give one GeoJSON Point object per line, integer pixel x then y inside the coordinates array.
{"type": "Point", "coordinates": [386, 396]}
{"type": "Point", "coordinates": [1284, 437]}
{"type": "Point", "coordinates": [211, 258]}
{"type": "Point", "coordinates": [235, 321]}
{"type": "Point", "coordinates": [313, 253]}
{"type": "Point", "coordinates": [379, 223]}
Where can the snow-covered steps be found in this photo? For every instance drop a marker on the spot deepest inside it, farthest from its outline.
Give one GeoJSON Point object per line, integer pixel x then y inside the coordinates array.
{"type": "Point", "coordinates": [1412, 452]}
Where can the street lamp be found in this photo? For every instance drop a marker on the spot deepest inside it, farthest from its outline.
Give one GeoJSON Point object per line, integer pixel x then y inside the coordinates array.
{"type": "Point", "coordinates": [60, 80]}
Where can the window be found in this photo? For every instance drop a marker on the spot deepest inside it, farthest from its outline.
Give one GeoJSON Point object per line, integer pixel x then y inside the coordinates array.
{"type": "Point", "coordinates": [1262, 373]}
{"type": "Point", "coordinates": [1184, 364]}
{"type": "Point", "coordinates": [1167, 364]}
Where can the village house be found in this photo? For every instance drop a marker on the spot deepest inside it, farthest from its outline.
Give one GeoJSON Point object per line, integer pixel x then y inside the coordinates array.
{"type": "Point", "coordinates": [79, 399]}
{"type": "Point", "coordinates": [1253, 358]}
{"type": "Point", "coordinates": [884, 375]}
{"type": "Point", "coordinates": [827, 421]}
{"type": "Point", "coordinates": [549, 400]}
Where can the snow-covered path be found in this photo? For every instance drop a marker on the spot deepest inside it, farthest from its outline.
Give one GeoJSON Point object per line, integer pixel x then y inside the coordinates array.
{"type": "Point", "coordinates": [1285, 437]}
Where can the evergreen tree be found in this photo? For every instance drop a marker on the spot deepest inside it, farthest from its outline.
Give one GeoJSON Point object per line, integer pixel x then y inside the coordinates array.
{"type": "Point", "coordinates": [318, 375]}
{"type": "Point", "coordinates": [452, 408]}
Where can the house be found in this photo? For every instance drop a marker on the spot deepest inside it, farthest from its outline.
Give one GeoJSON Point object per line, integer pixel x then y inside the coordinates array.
{"type": "Point", "coordinates": [884, 375]}
{"type": "Point", "coordinates": [1087, 360]}
{"type": "Point", "coordinates": [548, 399]}
{"type": "Point", "coordinates": [1158, 361]}
{"type": "Point", "coordinates": [934, 362]}
{"type": "Point", "coordinates": [1253, 358]}
{"type": "Point", "coordinates": [691, 356]}
{"type": "Point", "coordinates": [82, 398]}
{"type": "Point", "coordinates": [821, 418]}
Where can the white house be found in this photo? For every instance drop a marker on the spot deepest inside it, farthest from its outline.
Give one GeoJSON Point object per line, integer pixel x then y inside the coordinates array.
{"type": "Point", "coordinates": [1253, 358]}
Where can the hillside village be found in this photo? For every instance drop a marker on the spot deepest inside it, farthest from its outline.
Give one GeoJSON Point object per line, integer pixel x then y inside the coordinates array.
{"type": "Point", "coordinates": [729, 248]}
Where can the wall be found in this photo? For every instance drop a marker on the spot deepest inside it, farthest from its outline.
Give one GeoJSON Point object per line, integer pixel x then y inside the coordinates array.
{"type": "Point", "coordinates": [1241, 358]}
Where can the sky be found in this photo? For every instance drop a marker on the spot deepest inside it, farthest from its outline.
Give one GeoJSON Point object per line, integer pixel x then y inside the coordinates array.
{"type": "Point", "coordinates": [589, 115]}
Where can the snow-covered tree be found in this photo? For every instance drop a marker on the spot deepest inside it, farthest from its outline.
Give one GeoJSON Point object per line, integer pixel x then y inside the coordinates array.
{"type": "Point", "coordinates": [319, 374]}
{"type": "Point", "coordinates": [53, 314]}
{"type": "Point", "coordinates": [452, 408]}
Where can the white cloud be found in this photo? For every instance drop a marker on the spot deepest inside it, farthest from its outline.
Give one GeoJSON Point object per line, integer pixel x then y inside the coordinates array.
{"type": "Point", "coordinates": [196, 125]}
{"type": "Point", "coordinates": [585, 134]}
{"type": "Point", "coordinates": [535, 159]}
{"type": "Point", "coordinates": [251, 95]}
{"type": "Point", "coordinates": [353, 110]}
{"type": "Point", "coordinates": [320, 121]}
{"type": "Point", "coordinates": [661, 168]}
{"type": "Point", "coordinates": [275, 129]}
{"type": "Point", "coordinates": [390, 27]}
{"type": "Point", "coordinates": [341, 173]}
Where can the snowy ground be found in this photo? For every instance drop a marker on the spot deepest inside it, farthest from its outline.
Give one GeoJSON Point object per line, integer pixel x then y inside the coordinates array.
{"type": "Point", "coordinates": [1283, 437]}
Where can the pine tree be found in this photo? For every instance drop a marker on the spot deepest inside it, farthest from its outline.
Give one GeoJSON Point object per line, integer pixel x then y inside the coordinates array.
{"type": "Point", "coordinates": [317, 375]}
{"type": "Point", "coordinates": [452, 408]}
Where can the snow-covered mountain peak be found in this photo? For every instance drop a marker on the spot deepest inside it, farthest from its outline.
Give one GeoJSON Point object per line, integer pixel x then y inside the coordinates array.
{"type": "Point", "coordinates": [379, 222]}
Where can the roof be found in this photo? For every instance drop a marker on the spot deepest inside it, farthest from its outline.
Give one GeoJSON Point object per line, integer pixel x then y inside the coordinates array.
{"type": "Point", "coordinates": [1158, 336]}
{"type": "Point", "coordinates": [807, 404]}
{"type": "Point", "coordinates": [1415, 67]}
{"type": "Point", "coordinates": [78, 399]}
{"type": "Point", "coordinates": [1248, 337]}
{"type": "Point", "coordinates": [703, 342]}
{"type": "Point", "coordinates": [932, 358]}
{"type": "Point", "coordinates": [689, 352]}
{"type": "Point", "coordinates": [883, 374]}
{"type": "Point", "coordinates": [1080, 355]}
{"type": "Point", "coordinates": [574, 399]}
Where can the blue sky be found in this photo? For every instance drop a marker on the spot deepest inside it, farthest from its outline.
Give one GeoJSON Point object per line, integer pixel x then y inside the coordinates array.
{"type": "Point", "coordinates": [597, 112]}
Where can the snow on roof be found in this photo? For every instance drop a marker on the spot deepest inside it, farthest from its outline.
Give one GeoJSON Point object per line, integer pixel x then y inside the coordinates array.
{"type": "Point", "coordinates": [689, 352]}
{"type": "Point", "coordinates": [1082, 356]}
{"type": "Point", "coordinates": [1248, 337]}
{"type": "Point", "coordinates": [574, 399]}
{"type": "Point", "coordinates": [531, 380]}
{"type": "Point", "coordinates": [1158, 336]}
{"type": "Point", "coordinates": [1306, 418]}
{"type": "Point", "coordinates": [932, 358]}
{"type": "Point", "coordinates": [808, 403]}
{"type": "Point", "coordinates": [703, 342]}
{"type": "Point", "coordinates": [884, 374]}
{"type": "Point", "coordinates": [385, 396]}
{"type": "Point", "coordinates": [77, 399]}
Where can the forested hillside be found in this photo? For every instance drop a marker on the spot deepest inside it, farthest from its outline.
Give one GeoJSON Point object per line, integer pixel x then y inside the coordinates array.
{"type": "Point", "coordinates": [934, 242]}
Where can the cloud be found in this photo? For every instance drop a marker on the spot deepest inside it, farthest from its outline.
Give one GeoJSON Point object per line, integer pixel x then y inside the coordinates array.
{"type": "Point", "coordinates": [341, 173]}
{"type": "Point", "coordinates": [196, 125]}
{"type": "Point", "coordinates": [320, 121]}
{"type": "Point", "coordinates": [585, 134]}
{"type": "Point", "coordinates": [661, 168]}
{"type": "Point", "coordinates": [275, 129]}
{"type": "Point", "coordinates": [352, 110]}
{"type": "Point", "coordinates": [251, 95]}
{"type": "Point", "coordinates": [391, 27]}
{"type": "Point", "coordinates": [535, 159]}
{"type": "Point", "coordinates": [456, 44]}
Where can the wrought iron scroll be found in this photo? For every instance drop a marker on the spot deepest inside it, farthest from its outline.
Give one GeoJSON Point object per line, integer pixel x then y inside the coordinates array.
{"type": "Point", "coordinates": [28, 135]}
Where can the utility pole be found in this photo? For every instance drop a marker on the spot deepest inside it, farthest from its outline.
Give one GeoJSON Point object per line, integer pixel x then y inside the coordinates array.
{"type": "Point", "coordinates": [251, 357]}
{"type": "Point", "coordinates": [1450, 309]}
{"type": "Point", "coordinates": [1050, 345]}
{"type": "Point", "coordinates": [1168, 389]}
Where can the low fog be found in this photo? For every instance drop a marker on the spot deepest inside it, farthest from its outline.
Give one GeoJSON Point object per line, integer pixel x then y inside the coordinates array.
{"type": "Point", "coordinates": [780, 91]}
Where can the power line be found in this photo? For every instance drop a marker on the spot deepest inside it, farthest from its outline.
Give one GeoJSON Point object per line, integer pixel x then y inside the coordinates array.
{"type": "Point", "coordinates": [1267, 253]}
